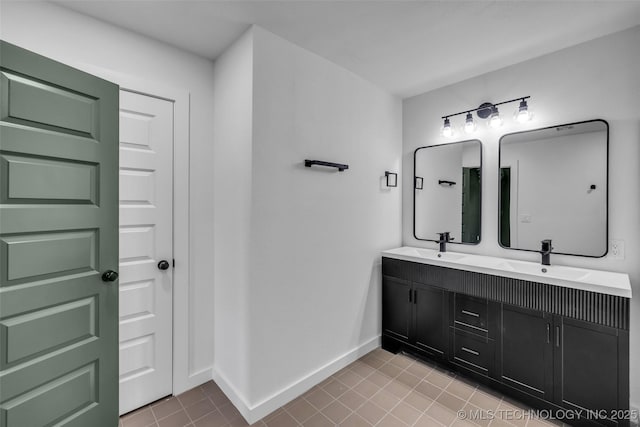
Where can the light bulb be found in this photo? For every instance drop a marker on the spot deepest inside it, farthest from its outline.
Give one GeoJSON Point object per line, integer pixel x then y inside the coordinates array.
{"type": "Point", "coordinates": [495, 121]}
{"type": "Point", "coordinates": [522, 114]}
{"type": "Point", "coordinates": [447, 130]}
{"type": "Point", "coordinates": [469, 124]}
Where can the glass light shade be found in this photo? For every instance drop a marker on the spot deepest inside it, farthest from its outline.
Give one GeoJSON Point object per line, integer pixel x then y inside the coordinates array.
{"type": "Point", "coordinates": [447, 130]}
{"type": "Point", "coordinates": [469, 124]}
{"type": "Point", "coordinates": [495, 121]}
{"type": "Point", "coordinates": [522, 114]}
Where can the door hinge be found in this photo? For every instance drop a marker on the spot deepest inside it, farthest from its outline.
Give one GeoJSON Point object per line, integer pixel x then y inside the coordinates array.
{"type": "Point", "coordinates": [173, 262]}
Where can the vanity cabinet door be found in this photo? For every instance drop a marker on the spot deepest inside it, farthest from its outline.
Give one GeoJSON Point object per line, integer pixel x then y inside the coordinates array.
{"type": "Point", "coordinates": [591, 366]}
{"type": "Point", "coordinates": [430, 332]}
{"type": "Point", "coordinates": [396, 308]}
{"type": "Point", "coordinates": [525, 359]}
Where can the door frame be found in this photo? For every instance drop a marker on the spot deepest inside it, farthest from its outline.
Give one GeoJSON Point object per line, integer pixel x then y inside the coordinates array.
{"type": "Point", "coordinates": [183, 376]}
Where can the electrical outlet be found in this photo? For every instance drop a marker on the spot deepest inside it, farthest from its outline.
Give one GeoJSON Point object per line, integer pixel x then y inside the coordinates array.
{"type": "Point", "coordinates": [616, 250]}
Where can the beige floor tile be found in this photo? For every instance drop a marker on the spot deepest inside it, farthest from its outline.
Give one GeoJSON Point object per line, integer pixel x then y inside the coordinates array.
{"type": "Point", "coordinates": [383, 354]}
{"type": "Point", "coordinates": [408, 379]}
{"type": "Point", "coordinates": [441, 413]}
{"type": "Point", "coordinates": [178, 419]}
{"type": "Point", "coordinates": [361, 368]}
{"type": "Point", "coordinates": [301, 410]}
{"type": "Point", "coordinates": [355, 420]}
{"type": "Point", "coordinates": [484, 401]}
{"type": "Point", "coordinates": [318, 420]}
{"type": "Point", "coordinates": [219, 399]}
{"type": "Point", "coordinates": [336, 412]}
{"type": "Point", "coordinates": [390, 370]}
{"type": "Point", "coordinates": [391, 421]}
{"type": "Point", "coordinates": [371, 412]}
{"type": "Point", "coordinates": [200, 409]}
{"type": "Point", "coordinates": [397, 389]}
{"type": "Point", "coordinates": [352, 400]}
{"type": "Point", "coordinates": [166, 407]}
{"type": "Point", "coordinates": [439, 379]}
{"type": "Point", "coordinates": [385, 400]}
{"type": "Point", "coordinates": [429, 390]}
{"type": "Point", "coordinates": [427, 421]}
{"type": "Point", "coordinates": [366, 388]}
{"type": "Point", "coordinates": [139, 418]}
{"type": "Point", "coordinates": [476, 415]}
{"type": "Point", "coordinates": [460, 389]}
{"type": "Point", "coordinates": [379, 379]}
{"type": "Point", "coordinates": [229, 411]}
{"type": "Point", "coordinates": [212, 419]}
{"type": "Point", "coordinates": [373, 361]}
{"type": "Point", "coordinates": [419, 370]}
{"type": "Point", "coordinates": [335, 388]}
{"type": "Point", "coordinates": [349, 378]}
{"type": "Point", "coordinates": [450, 401]}
{"type": "Point", "coordinates": [406, 413]}
{"type": "Point", "coordinates": [319, 398]}
{"type": "Point", "coordinates": [283, 419]}
{"type": "Point", "coordinates": [418, 400]}
{"type": "Point", "coordinates": [401, 361]}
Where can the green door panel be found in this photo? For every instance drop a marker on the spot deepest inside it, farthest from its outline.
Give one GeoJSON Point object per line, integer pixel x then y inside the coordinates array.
{"type": "Point", "coordinates": [58, 234]}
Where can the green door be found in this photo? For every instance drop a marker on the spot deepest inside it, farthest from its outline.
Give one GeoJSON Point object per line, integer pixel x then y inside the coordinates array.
{"type": "Point", "coordinates": [58, 235]}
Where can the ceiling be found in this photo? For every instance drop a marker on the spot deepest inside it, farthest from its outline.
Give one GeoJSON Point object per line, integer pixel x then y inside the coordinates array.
{"type": "Point", "coordinates": [405, 47]}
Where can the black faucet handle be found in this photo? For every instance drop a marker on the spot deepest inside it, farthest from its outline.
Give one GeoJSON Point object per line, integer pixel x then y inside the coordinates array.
{"type": "Point", "coordinates": [546, 245]}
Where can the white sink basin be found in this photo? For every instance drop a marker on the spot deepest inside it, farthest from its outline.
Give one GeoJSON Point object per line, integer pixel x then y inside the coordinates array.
{"type": "Point", "coordinates": [572, 277]}
{"type": "Point", "coordinates": [561, 272]}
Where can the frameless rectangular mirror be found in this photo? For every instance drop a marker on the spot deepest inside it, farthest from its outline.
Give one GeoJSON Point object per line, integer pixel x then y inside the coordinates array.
{"type": "Point", "coordinates": [447, 193]}
{"type": "Point", "coordinates": [553, 185]}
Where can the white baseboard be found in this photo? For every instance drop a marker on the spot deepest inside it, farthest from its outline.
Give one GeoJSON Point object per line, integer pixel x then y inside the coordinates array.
{"type": "Point", "coordinates": [253, 413]}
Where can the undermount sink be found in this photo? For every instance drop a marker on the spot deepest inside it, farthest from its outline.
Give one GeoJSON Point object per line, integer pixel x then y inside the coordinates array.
{"type": "Point", "coordinates": [572, 277]}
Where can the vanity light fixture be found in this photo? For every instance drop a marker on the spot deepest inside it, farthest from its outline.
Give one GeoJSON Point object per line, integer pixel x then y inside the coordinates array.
{"type": "Point", "coordinates": [489, 111]}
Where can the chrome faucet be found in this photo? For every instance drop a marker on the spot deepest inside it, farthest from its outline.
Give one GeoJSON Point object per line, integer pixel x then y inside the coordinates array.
{"type": "Point", "coordinates": [444, 239]}
{"type": "Point", "coordinates": [546, 251]}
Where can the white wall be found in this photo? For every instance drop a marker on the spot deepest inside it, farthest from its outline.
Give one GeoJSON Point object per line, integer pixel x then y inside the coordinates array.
{"type": "Point", "coordinates": [597, 79]}
{"type": "Point", "coordinates": [232, 165]}
{"type": "Point", "coordinates": [89, 44]}
{"type": "Point", "coordinates": [314, 235]}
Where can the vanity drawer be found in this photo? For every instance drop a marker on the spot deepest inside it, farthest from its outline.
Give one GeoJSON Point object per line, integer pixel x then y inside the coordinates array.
{"type": "Point", "coordinates": [470, 313]}
{"type": "Point", "coordinates": [473, 351]}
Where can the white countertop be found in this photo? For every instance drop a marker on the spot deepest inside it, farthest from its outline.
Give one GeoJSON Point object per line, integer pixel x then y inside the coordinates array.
{"type": "Point", "coordinates": [604, 282]}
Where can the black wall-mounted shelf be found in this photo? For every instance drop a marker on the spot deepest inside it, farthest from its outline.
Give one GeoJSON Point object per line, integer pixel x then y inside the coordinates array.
{"type": "Point", "coordinates": [341, 167]}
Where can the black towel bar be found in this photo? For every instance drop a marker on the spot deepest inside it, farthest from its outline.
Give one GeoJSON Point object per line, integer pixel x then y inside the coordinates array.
{"type": "Point", "coordinates": [339, 166]}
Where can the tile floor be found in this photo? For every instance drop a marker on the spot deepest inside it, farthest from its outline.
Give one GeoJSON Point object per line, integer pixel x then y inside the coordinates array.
{"type": "Point", "coordinates": [380, 389]}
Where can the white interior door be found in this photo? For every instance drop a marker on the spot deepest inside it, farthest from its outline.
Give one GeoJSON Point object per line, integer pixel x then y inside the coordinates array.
{"type": "Point", "coordinates": [146, 227]}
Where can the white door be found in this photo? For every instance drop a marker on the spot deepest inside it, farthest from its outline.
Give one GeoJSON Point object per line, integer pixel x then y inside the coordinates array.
{"type": "Point", "coordinates": [146, 205]}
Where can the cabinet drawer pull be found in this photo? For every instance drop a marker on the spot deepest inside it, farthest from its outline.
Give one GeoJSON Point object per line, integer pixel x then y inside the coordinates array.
{"type": "Point", "coordinates": [470, 313]}
{"type": "Point", "coordinates": [468, 350]}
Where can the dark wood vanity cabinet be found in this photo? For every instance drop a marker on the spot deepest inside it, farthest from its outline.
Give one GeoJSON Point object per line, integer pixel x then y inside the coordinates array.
{"type": "Point", "coordinates": [525, 339]}
{"type": "Point", "coordinates": [415, 314]}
